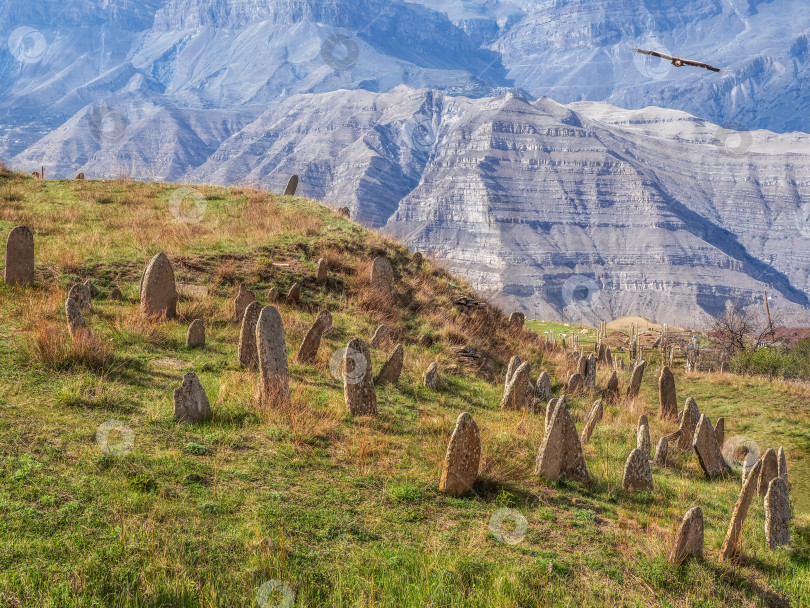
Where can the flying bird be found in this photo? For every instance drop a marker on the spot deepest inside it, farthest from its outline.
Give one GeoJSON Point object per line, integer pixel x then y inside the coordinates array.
{"type": "Point", "coordinates": [677, 61]}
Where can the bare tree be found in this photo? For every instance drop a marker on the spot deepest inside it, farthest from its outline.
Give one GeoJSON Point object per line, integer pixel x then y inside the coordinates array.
{"type": "Point", "coordinates": [731, 330]}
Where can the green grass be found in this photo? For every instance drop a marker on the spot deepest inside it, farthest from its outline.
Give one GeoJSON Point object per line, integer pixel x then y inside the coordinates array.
{"type": "Point", "coordinates": [345, 511]}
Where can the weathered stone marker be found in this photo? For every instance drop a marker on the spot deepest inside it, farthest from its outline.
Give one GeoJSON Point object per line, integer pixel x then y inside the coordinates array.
{"type": "Point", "coordinates": [612, 390]}
{"type": "Point", "coordinates": [431, 376]}
{"type": "Point", "coordinates": [637, 474]}
{"type": "Point", "coordinates": [294, 295]}
{"type": "Point", "coordinates": [382, 275]}
{"type": "Point", "coordinates": [463, 457]}
{"type": "Point", "coordinates": [511, 368]}
{"type": "Point", "coordinates": [661, 452]}
{"type": "Point", "coordinates": [20, 257]}
{"type": "Point", "coordinates": [635, 381]}
{"type": "Point", "coordinates": [516, 319]}
{"type": "Point", "coordinates": [382, 336]}
{"type": "Point", "coordinates": [196, 333]}
{"type": "Point", "coordinates": [720, 432]}
{"type": "Point", "coordinates": [81, 294]}
{"type": "Point", "coordinates": [576, 383]}
{"type": "Point", "coordinates": [321, 274]}
{"type": "Point", "coordinates": [248, 353]}
{"type": "Point", "coordinates": [543, 388]}
{"type": "Point", "coordinates": [783, 470]}
{"type": "Point", "coordinates": [273, 294]}
{"type": "Point", "coordinates": [77, 326]}
{"type": "Point", "coordinates": [516, 393]}
{"type": "Point", "coordinates": [590, 371]}
{"type": "Point", "coordinates": [158, 289]}
{"type": "Point", "coordinates": [643, 436]}
{"type": "Point", "coordinates": [708, 452]}
{"type": "Point", "coordinates": [358, 382]}
{"type": "Point", "coordinates": [271, 349]}
{"type": "Point", "coordinates": [190, 401]}
{"type": "Point", "coordinates": [594, 418]}
{"type": "Point", "coordinates": [561, 452]}
{"type": "Point", "coordinates": [689, 422]}
{"type": "Point", "coordinates": [94, 293]}
{"type": "Point", "coordinates": [392, 368]}
{"type": "Point", "coordinates": [777, 514]}
{"type": "Point", "coordinates": [292, 186]}
{"type": "Point", "coordinates": [770, 470]}
{"type": "Point", "coordinates": [689, 538]}
{"type": "Point", "coordinates": [312, 341]}
{"type": "Point", "coordinates": [242, 300]}
{"type": "Point", "coordinates": [667, 395]}
{"type": "Point", "coordinates": [731, 545]}
{"type": "Point", "coordinates": [552, 405]}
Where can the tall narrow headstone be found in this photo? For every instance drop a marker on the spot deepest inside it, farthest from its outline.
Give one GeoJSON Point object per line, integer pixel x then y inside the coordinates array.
{"type": "Point", "coordinates": [782, 469]}
{"type": "Point", "coordinates": [594, 418]}
{"type": "Point", "coordinates": [321, 272]}
{"type": "Point", "coordinates": [543, 388]}
{"type": "Point", "coordinates": [312, 341]}
{"type": "Point", "coordinates": [516, 393]}
{"type": "Point", "coordinates": [382, 275]}
{"type": "Point", "coordinates": [242, 300]}
{"type": "Point", "coordinates": [20, 257]}
{"type": "Point", "coordinates": [81, 294]}
{"type": "Point", "coordinates": [770, 470]}
{"type": "Point", "coordinates": [292, 186]}
{"type": "Point", "coordinates": [590, 372]}
{"type": "Point", "coordinates": [643, 436]}
{"type": "Point", "coordinates": [431, 376]}
{"type": "Point", "coordinates": [158, 288]}
{"type": "Point", "coordinates": [689, 422]}
{"type": "Point", "coordinates": [462, 459]}
{"type": "Point", "coordinates": [777, 514]}
{"type": "Point", "coordinates": [637, 474]}
{"type": "Point", "coordinates": [77, 326]}
{"type": "Point", "coordinates": [358, 381]}
{"type": "Point", "coordinates": [248, 353]}
{"type": "Point", "coordinates": [612, 390]}
{"type": "Point", "coordinates": [667, 396]}
{"type": "Point", "coordinates": [392, 368]}
{"type": "Point", "coordinates": [731, 544]}
{"type": "Point", "coordinates": [561, 452]}
{"type": "Point", "coordinates": [708, 452]}
{"type": "Point", "coordinates": [689, 538]}
{"type": "Point", "coordinates": [271, 349]}
{"type": "Point", "coordinates": [635, 381]}
{"type": "Point", "coordinates": [661, 451]}
{"type": "Point", "coordinates": [720, 432]}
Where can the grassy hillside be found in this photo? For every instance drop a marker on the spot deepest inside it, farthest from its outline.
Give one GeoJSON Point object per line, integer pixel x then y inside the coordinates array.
{"type": "Point", "coordinates": [345, 511]}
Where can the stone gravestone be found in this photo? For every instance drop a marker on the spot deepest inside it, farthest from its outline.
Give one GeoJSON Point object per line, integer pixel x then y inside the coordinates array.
{"type": "Point", "coordinates": [777, 514]}
{"type": "Point", "coordinates": [431, 376]}
{"type": "Point", "coordinates": [292, 186]}
{"type": "Point", "coordinates": [273, 294]}
{"type": "Point", "coordinates": [643, 436]}
{"type": "Point", "coordinates": [582, 365]}
{"type": "Point", "coordinates": [689, 538]}
{"type": "Point", "coordinates": [689, 422]}
{"type": "Point", "coordinates": [77, 326]}
{"type": "Point", "coordinates": [770, 470]}
{"type": "Point", "coordinates": [667, 396]}
{"type": "Point", "coordinates": [612, 390]}
{"type": "Point", "coordinates": [560, 454]}
{"type": "Point", "coordinates": [248, 355]}
{"type": "Point", "coordinates": [271, 350]}
{"type": "Point", "coordinates": [312, 341]}
{"type": "Point", "coordinates": [731, 544]}
{"type": "Point", "coordinates": [661, 452]}
{"type": "Point", "coordinates": [635, 381]}
{"type": "Point", "coordinates": [294, 295]}
{"type": "Point", "coordinates": [190, 401]}
{"type": "Point", "coordinates": [196, 333]}
{"type": "Point", "coordinates": [382, 336]}
{"type": "Point", "coordinates": [594, 418]}
{"type": "Point", "coordinates": [158, 288]}
{"type": "Point", "coordinates": [516, 319]}
{"type": "Point", "coordinates": [81, 294]}
{"type": "Point", "coordinates": [511, 368]}
{"type": "Point", "coordinates": [94, 293]}
{"type": "Point", "coordinates": [516, 393]}
{"type": "Point", "coordinates": [358, 382]}
{"type": "Point", "coordinates": [321, 272]}
{"type": "Point", "coordinates": [382, 276]}
{"type": "Point", "coordinates": [242, 300]}
{"type": "Point", "coordinates": [782, 468]}
{"type": "Point", "coordinates": [392, 368]}
{"type": "Point", "coordinates": [576, 383]}
{"type": "Point", "coordinates": [637, 474]}
{"type": "Point", "coordinates": [543, 389]}
{"type": "Point", "coordinates": [709, 454]}
{"type": "Point", "coordinates": [720, 432]}
{"type": "Point", "coordinates": [462, 459]}
{"type": "Point", "coordinates": [590, 372]}
{"type": "Point", "coordinates": [20, 257]}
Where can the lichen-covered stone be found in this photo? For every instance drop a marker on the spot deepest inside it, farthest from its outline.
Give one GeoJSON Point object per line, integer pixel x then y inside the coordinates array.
{"type": "Point", "coordinates": [190, 401]}
{"type": "Point", "coordinates": [20, 257]}
{"type": "Point", "coordinates": [689, 538]}
{"type": "Point", "coordinates": [462, 459]}
{"type": "Point", "coordinates": [637, 474]}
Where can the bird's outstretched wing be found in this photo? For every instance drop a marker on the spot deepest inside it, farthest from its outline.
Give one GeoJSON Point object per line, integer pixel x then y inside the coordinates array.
{"type": "Point", "coordinates": [678, 61]}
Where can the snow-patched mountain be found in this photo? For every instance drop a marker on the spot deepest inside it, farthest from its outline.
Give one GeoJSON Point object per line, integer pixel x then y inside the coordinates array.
{"type": "Point", "coordinates": [584, 211]}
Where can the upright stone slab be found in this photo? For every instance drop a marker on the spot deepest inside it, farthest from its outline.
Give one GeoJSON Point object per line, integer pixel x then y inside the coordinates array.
{"type": "Point", "coordinates": [511, 368]}
{"type": "Point", "coordinates": [273, 294]}
{"type": "Point", "coordinates": [612, 390]}
{"type": "Point", "coordinates": [358, 382]}
{"type": "Point", "coordinates": [392, 368]}
{"type": "Point", "coordinates": [643, 436]}
{"type": "Point", "coordinates": [294, 295]}
{"type": "Point", "coordinates": [463, 457]}
{"type": "Point", "coordinates": [561, 452]}
{"type": "Point", "coordinates": [248, 353]}
{"type": "Point", "coordinates": [516, 319]}
{"type": "Point", "coordinates": [635, 381]}
{"type": "Point", "coordinates": [94, 293]}
{"type": "Point", "coordinates": [543, 388]}
{"type": "Point", "coordinates": [382, 336]}
{"type": "Point", "coordinates": [552, 405]}
{"type": "Point", "coordinates": [661, 453]}
{"type": "Point", "coordinates": [667, 397]}
{"type": "Point", "coordinates": [81, 294]}
{"type": "Point", "coordinates": [689, 422]}
{"type": "Point", "coordinates": [431, 376]}
{"type": "Point", "coordinates": [720, 432]}
{"type": "Point", "coordinates": [777, 514]}
{"type": "Point", "coordinates": [158, 288]}
{"type": "Point", "coordinates": [609, 357]}
{"type": "Point", "coordinates": [271, 349]}
{"type": "Point", "coordinates": [708, 452]}
{"type": "Point", "coordinates": [382, 275]}
{"type": "Point", "coordinates": [590, 372]}
{"type": "Point", "coordinates": [321, 272]}
{"type": "Point", "coordinates": [243, 299]}
{"type": "Point", "coordinates": [689, 538]}
{"type": "Point", "coordinates": [770, 470]}
{"type": "Point", "coordinates": [782, 469]}
{"type": "Point", "coordinates": [292, 186]}
{"type": "Point", "coordinates": [582, 365]}
{"type": "Point", "coordinates": [594, 418]}
{"type": "Point", "coordinates": [637, 474]}
{"type": "Point", "coordinates": [312, 341]}
{"type": "Point", "coordinates": [190, 401]}
{"type": "Point", "coordinates": [731, 545]}
{"type": "Point", "coordinates": [195, 336]}
{"type": "Point", "coordinates": [516, 393]}
{"type": "Point", "coordinates": [576, 384]}
{"type": "Point", "coordinates": [77, 326]}
{"type": "Point", "coordinates": [20, 257]}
